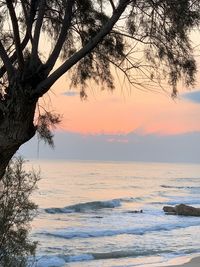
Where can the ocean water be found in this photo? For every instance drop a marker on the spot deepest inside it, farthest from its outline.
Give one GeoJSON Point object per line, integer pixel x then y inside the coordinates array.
{"type": "Point", "coordinates": [87, 216]}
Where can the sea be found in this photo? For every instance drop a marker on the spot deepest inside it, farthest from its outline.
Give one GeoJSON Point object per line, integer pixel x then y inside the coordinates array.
{"type": "Point", "coordinates": [110, 214]}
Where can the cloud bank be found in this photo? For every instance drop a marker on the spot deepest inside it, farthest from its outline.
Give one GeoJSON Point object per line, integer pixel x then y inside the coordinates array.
{"type": "Point", "coordinates": [130, 147]}
{"type": "Point", "coordinates": [192, 96]}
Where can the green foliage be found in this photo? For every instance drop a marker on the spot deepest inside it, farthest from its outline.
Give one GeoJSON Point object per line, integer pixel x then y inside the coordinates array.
{"type": "Point", "coordinates": [16, 213]}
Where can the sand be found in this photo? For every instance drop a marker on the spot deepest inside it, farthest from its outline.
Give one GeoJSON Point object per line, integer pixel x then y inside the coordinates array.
{"type": "Point", "coordinates": [193, 263]}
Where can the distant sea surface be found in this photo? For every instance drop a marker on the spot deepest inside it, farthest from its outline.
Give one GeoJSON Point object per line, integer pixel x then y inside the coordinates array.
{"type": "Point", "coordinates": [86, 214]}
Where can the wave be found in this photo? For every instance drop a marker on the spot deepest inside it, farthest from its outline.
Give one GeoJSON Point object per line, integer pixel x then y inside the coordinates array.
{"type": "Point", "coordinates": [113, 255]}
{"type": "Point", "coordinates": [134, 199]}
{"type": "Point", "coordinates": [108, 232]}
{"type": "Point", "coordinates": [62, 260]}
{"type": "Point", "coordinates": [44, 261]}
{"type": "Point", "coordinates": [87, 206]}
{"type": "Point", "coordinates": [173, 202]}
{"type": "Point", "coordinates": [94, 205]}
{"type": "Point", "coordinates": [189, 179]}
{"type": "Point", "coordinates": [180, 187]}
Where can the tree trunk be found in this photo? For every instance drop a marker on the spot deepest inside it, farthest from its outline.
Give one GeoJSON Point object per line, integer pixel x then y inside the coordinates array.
{"type": "Point", "coordinates": [16, 127]}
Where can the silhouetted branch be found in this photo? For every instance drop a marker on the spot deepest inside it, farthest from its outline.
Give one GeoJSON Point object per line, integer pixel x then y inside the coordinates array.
{"type": "Point", "coordinates": [13, 57]}
{"type": "Point", "coordinates": [38, 25]}
{"type": "Point", "coordinates": [112, 4]}
{"type": "Point", "coordinates": [45, 85]}
{"type": "Point", "coordinates": [16, 33]}
{"type": "Point", "coordinates": [27, 18]}
{"type": "Point", "coordinates": [62, 36]}
{"type": "Point", "coordinates": [7, 63]}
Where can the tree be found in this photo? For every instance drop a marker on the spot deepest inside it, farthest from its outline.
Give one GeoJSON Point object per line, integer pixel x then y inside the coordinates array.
{"type": "Point", "coordinates": [87, 37]}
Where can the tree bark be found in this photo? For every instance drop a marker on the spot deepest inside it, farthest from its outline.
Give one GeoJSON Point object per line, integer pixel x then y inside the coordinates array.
{"type": "Point", "coordinates": [16, 127]}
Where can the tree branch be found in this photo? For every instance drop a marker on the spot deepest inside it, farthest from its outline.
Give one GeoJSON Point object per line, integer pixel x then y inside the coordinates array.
{"type": "Point", "coordinates": [13, 58]}
{"type": "Point", "coordinates": [44, 86]}
{"type": "Point", "coordinates": [62, 37]}
{"type": "Point", "coordinates": [28, 22]}
{"type": "Point", "coordinates": [16, 33]}
{"type": "Point", "coordinates": [112, 4]}
{"type": "Point", "coordinates": [38, 26]}
{"type": "Point", "coordinates": [7, 63]}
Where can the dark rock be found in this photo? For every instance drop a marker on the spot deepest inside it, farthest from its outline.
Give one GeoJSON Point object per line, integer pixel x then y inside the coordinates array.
{"type": "Point", "coordinates": [135, 211]}
{"type": "Point", "coordinates": [187, 210]}
{"type": "Point", "coordinates": [169, 209]}
{"type": "Point", "coordinates": [182, 209]}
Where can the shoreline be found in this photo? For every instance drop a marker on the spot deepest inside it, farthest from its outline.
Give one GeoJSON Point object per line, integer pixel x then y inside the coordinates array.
{"type": "Point", "coordinates": [193, 262]}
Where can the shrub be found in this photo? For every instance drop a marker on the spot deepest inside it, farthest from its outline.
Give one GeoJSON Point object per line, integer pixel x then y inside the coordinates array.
{"type": "Point", "coordinates": [16, 213]}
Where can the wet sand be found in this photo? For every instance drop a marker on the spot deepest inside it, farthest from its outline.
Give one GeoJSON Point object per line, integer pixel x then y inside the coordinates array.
{"type": "Point", "coordinates": [192, 263]}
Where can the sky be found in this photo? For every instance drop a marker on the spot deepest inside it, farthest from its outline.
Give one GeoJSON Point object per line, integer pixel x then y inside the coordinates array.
{"type": "Point", "coordinates": [126, 124]}
{"type": "Point", "coordinates": [122, 125]}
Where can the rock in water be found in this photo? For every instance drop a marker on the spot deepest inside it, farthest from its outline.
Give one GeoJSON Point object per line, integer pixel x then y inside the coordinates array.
{"type": "Point", "coordinates": [187, 210]}
{"type": "Point", "coordinates": [182, 209]}
{"type": "Point", "coordinates": [169, 210]}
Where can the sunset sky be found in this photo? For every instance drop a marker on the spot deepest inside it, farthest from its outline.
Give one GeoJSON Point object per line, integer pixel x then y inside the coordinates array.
{"type": "Point", "coordinates": [124, 116]}
{"type": "Point", "coordinates": [127, 109]}
{"type": "Point", "coordinates": [124, 110]}
{"type": "Point", "coordinates": [138, 126]}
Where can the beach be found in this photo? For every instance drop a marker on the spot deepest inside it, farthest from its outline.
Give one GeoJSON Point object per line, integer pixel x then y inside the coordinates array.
{"type": "Point", "coordinates": [195, 262]}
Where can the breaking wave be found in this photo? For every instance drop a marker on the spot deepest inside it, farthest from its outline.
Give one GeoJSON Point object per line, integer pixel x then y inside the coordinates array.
{"type": "Point", "coordinates": [58, 260]}
{"type": "Point", "coordinates": [95, 205]}
{"type": "Point", "coordinates": [87, 206]}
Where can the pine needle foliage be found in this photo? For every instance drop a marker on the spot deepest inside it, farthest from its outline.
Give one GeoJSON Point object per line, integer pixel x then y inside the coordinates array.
{"type": "Point", "coordinates": [46, 123]}
{"type": "Point", "coordinates": [89, 37]}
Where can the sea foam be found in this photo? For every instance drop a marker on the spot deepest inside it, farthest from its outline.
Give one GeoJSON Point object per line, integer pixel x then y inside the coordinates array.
{"type": "Point", "coordinates": [59, 261]}
{"type": "Point", "coordinates": [50, 261]}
